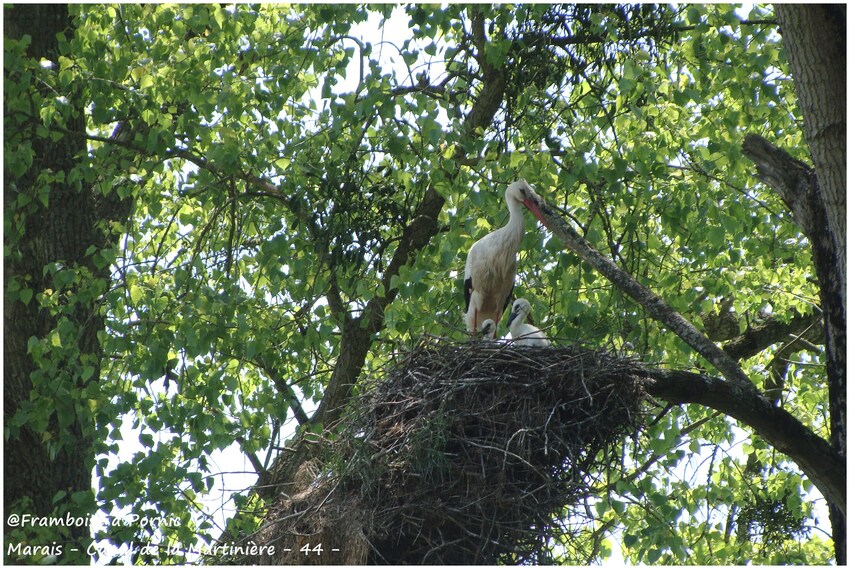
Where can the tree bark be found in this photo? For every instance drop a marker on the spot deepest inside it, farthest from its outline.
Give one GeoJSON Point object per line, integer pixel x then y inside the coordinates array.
{"type": "Point", "coordinates": [815, 39]}
{"type": "Point", "coordinates": [761, 336]}
{"type": "Point", "coordinates": [61, 232]}
{"type": "Point", "coordinates": [29, 471]}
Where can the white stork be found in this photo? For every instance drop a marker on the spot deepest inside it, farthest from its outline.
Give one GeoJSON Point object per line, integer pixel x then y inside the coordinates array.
{"type": "Point", "coordinates": [491, 261]}
{"type": "Point", "coordinates": [524, 334]}
{"type": "Point", "coordinates": [488, 329]}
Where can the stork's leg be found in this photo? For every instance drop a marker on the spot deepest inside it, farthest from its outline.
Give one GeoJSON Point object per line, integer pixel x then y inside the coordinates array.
{"type": "Point", "coordinates": [474, 321]}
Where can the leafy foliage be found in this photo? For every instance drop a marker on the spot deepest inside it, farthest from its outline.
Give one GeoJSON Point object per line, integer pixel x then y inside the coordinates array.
{"type": "Point", "coordinates": [275, 157]}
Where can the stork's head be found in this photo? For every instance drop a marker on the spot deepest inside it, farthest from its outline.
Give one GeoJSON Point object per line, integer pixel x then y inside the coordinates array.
{"type": "Point", "coordinates": [520, 312]}
{"type": "Point", "coordinates": [520, 191]}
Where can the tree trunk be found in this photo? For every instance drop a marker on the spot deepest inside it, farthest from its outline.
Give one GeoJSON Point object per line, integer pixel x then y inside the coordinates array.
{"type": "Point", "coordinates": [29, 470]}
{"type": "Point", "coordinates": [41, 462]}
{"type": "Point", "coordinates": [815, 38]}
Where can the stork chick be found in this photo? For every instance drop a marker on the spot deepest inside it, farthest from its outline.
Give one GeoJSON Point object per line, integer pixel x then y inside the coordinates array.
{"type": "Point", "coordinates": [524, 334]}
{"type": "Point", "coordinates": [488, 329]}
{"type": "Point", "coordinates": [491, 261]}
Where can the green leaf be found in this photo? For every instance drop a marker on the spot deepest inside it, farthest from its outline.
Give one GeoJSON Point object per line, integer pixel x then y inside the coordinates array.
{"type": "Point", "coordinates": [87, 373]}
{"type": "Point", "coordinates": [136, 293]}
{"type": "Point", "coordinates": [25, 295]}
{"type": "Point", "coordinates": [694, 15]}
{"type": "Point", "coordinates": [716, 236]}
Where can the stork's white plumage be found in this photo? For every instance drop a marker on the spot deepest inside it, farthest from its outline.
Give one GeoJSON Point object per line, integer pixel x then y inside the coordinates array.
{"type": "Point", "coordinates": [522, 333]}
{"type": "Point", "coordinates": [488, 329]}
{"type": "Point", "coordinates": [491, 261]}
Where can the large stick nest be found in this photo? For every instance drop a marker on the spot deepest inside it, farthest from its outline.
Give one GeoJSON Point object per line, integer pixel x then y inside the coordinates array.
{"type": "Point", "coordinates": [461, 454]}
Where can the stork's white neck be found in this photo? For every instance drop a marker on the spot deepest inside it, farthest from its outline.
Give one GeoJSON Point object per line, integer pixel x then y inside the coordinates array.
{"type": "Point", "coordinates": [514, 229]}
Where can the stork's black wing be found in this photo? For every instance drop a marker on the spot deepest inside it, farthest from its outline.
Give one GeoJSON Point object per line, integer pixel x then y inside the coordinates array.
{"type": "Point", "coordinates": [467, 292]}
{"type": "Point", "coordinates": [508, 300]}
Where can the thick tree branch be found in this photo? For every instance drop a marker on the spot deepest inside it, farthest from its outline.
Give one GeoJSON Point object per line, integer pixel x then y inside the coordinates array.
{"type": "Point", "coordinates": [815, 212]}
{"type": "Point", "coordinates": [655, 305]}
{"type": "Point", "coordinates": [762, 336]}
{"type": "Point", "coordinates": [493, 88]}
{"type": "Point", "coordinates": [794, 181]}
{"type": "Point", "coordinates": [816, 458]}
{"type": "Point", "coordinates": [356, 333]}
{"type": "Point", "coordinates": [736, 397]}
{"type": "Point", "coordinates": [798, 187]}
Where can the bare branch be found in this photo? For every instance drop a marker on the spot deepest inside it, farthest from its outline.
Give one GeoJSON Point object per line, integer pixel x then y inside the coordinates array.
{"type": "Point", "coordinates": [252, 458]}
{"type": "Point", "coordinates": [655, 305]}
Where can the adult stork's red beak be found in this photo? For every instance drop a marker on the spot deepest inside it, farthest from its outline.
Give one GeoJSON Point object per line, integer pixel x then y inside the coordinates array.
{"type": "Point", "coordinates": [534, 208]}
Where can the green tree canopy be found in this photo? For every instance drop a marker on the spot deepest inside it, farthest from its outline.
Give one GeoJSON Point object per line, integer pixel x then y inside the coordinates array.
{"type": "Point", "coordinates": [293, 202]}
